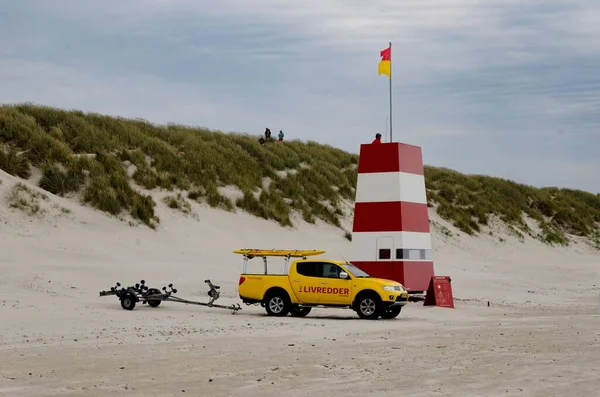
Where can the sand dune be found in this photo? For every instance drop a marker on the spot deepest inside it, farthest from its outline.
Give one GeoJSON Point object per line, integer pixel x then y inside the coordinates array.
{"type": "Point", "coordinates": [539, 335]}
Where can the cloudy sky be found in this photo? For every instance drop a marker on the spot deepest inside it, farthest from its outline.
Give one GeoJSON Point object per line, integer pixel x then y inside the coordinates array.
{"type": "Point", "coordinates": [509, 88]}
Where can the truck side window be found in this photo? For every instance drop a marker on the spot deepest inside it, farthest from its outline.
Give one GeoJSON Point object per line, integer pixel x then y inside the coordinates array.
{"type": "Point", "coordinates": [331, 271]}
{"type": "Point", "coordinates": [310, 269]}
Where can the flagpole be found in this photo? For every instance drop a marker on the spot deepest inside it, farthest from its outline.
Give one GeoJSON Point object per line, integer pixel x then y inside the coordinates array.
{"type": "Point", "coordinates": [390, 91]}
{"type": "Point", "coordinates": [386, 127]}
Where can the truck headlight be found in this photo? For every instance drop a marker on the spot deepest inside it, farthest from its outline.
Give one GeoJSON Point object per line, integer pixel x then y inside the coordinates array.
{"type": "Point", "coordinates": [389, 288]}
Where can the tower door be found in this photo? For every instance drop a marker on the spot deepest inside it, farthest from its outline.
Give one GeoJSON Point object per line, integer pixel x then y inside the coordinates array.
{"type": "Point", "coordinates": [385, 265]}
{"type": "Point", "coordinates": [385, 246]}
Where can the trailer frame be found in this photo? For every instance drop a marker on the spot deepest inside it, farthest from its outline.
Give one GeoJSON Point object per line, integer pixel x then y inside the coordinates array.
{"type": "Point", "coordinates": [153, 297]}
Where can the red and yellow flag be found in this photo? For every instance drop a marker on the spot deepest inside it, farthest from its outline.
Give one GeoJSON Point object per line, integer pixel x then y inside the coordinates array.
{"type": "Point", "coordinates": [386, 62]}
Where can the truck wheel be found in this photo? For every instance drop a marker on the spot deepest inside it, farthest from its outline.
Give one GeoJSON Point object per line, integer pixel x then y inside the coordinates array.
{"type": "Point", "coordinates": [154, 302]}
{"type": "Point", "coordinates": [391, 312]}
{"type": "Point", "coordinates": [277, 304]}
{"type": "Point", "coordinates": [368, 306]}
{"type": "Point", "coordinates": [127, 303]}
{"type": "Point", "coordinates": [297, 311]}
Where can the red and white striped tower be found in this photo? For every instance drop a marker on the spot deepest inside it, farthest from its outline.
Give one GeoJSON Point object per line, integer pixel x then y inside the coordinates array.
{"type": "Point", "coordinates": [390, 233]}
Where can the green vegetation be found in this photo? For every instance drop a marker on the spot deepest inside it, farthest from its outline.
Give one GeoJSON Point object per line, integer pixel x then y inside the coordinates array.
{"type": "Point", "coordinates": [25, 199]}
{"type": "Point", "coordinates": [92, 154]}
{"type": "Point", "coordinates": [109, 162]}
{"type": "Point", "coordinates": [468, 201]}
{"type": "Point", "coordinates": [178, 202]}
{"type": "Point", "coordinates": [14, 163]}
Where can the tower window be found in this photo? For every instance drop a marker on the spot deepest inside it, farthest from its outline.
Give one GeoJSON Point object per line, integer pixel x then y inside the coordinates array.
{"type": "Point", "coordinates": [423, 254]}
{"type": "Point", "coordinates": [385, 253]}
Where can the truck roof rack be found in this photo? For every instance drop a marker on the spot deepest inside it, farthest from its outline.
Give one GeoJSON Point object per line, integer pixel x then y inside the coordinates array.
{"type": "Point", "coordinates": [253, 252]}
{"type": "Point", "coordinates": [250, 253]}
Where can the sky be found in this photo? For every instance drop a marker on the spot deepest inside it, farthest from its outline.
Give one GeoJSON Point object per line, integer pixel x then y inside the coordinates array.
{"type": "Point", "coordinates": [498, 87]}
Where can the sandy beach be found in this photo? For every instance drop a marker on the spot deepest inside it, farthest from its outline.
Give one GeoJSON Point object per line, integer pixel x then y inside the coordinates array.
{"type": "Point", "coordinates": [526, 320]}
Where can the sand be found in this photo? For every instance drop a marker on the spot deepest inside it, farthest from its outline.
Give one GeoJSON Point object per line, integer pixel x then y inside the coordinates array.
{"type": "Point", "coordinates": [539, 336]}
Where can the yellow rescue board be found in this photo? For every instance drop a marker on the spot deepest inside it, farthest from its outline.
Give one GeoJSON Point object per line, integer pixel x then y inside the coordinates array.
{"type": "Point", "coordinates": [290, 253]}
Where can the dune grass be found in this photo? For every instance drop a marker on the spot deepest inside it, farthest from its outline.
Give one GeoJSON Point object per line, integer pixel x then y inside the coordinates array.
{"type": "Point", "coordinates": [178, 202]}
{"type": "Point", "coordinates": [468, 201]}
{"type": "Point", "coordinates": [91, 154]}
{"type": "Point", "coordinates": [13, 162]}
{"type": "Point", "coordinates": [26, 200]}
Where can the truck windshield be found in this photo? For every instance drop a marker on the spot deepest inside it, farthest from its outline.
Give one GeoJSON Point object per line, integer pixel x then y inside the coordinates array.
{"type": "Point", "coordinates": [356, 272]}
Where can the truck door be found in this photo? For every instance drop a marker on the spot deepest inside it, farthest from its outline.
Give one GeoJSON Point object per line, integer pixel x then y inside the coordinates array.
{"type": "Point", "coordinates": [335, 290]}
{"type": "Point", "coordinates": [305, 278]}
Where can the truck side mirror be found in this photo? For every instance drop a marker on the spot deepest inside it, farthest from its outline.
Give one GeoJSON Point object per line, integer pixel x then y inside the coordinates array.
{"type": "Point", "coordinates": [343, 275]}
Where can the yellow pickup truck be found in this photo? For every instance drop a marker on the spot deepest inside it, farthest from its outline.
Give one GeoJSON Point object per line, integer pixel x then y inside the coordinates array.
{"type": "Point", "coordinates": [307, 283]}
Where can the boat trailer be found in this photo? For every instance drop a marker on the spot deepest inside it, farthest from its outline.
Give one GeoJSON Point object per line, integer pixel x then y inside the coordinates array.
{"type": "Point", "coordinates": [153, 297]}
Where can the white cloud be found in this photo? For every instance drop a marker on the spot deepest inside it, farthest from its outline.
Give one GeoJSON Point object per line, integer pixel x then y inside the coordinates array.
{"type": "Point", "coordinates": [486, 78]}
{"type": "Point", "coordinates": [131, 95]}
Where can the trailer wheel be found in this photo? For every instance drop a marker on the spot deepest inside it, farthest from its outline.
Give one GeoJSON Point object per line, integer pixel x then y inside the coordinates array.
{"type": "Point", "coordinates": [277, 303]}
{"type": "Point", "coordinates": [391, 312]}
{"type": "Point", "coordinates": [154, 302]}
{"type": "Point", "coordinates": [368, 306]}
{"type": "Point", "coordinates": [297, 311]}
{"type": "Point", "coordinates": [127, 302]}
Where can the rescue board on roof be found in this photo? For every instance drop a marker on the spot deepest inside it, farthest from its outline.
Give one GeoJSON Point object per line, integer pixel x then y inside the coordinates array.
{"type": "Point", "coordinates": [290, 253]}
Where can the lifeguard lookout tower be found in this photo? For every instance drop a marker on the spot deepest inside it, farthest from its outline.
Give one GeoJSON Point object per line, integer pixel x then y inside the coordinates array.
{"type": "Point", "coordinates": [390, 234]}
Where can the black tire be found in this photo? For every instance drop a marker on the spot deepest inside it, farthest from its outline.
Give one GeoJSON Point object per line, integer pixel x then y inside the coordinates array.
{"type": "Point", "coordinates": [154, 302]}
{"type": "Point", "coordinates": [277, 303]}
{"type": "Point", "coordinates": [368, 306]}
{"type": "Point", "coordinates": [297, 311]}
{"type": "Point", "coordinates": [391, 312]}
{"type": "Point", "coordinates": [128, 302]}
